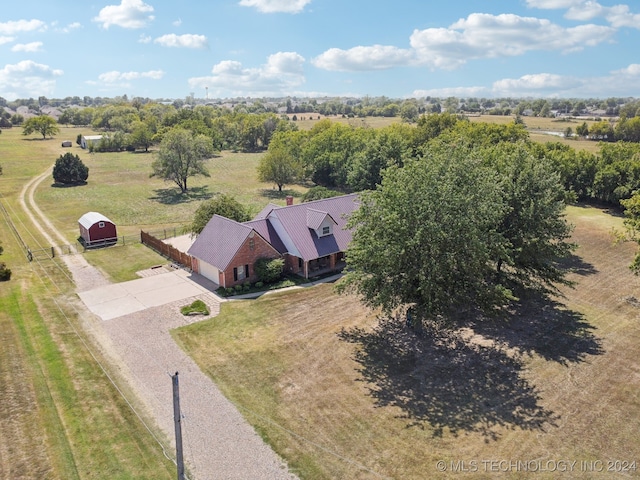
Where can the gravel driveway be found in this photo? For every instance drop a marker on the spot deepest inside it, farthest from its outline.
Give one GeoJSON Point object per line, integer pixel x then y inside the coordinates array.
{"type": "Point", "coordinates": [218, 443]}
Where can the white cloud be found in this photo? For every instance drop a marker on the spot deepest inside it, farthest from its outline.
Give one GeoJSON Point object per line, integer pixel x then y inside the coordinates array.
{"type": "Point", "coordinates": [129, 14]}
{"type": "Point", "coordinates": [376, 57]}
{"type": "Point", "coordinates": [18, 26]}
{"type": "Point", "coordinates": [632, 71]}
{"type": "Point", "coordinates": [276, 6]}
{"type": "Point", "coordinates": [280, 75]}
{"type": "Point", "coordinates": [547, 85]}
{"type": "Point", "coordinates": [27, 79]}
{"type": "Point", "coordinates": [4, 40]}
{"type": "Point", "coordinates": [144, 38]}
{"type": "Point", "coordinates": [476, 37]}
{"type": "Point", "coordinates": [115, 76]}
{"type": "Point", "coordinates": [584, 10]}
{"type": "Point", "coordinates": [70, 27]}
{"type": "Point", "coordinates": [177, 23]}
{"type": "Point", "coordinates": [27, 47]}
{"type": "Point", "coordinates": [182, 41]}
{"type": "Point", "coordinates": [493, 36]}
{"type": "Point", "coordinates": [537, 85]}
{"type": "Point", "coordinates": [459, 92]}
{"type": "Point", "coordinates": [620, 16]}
{"type": "Point", "coordinates": [553, 4]}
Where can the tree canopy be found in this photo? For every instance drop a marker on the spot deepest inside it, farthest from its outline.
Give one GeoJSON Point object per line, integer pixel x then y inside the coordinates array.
{"type": "Point", "coordinates": [182, 155]}
{"type": "Point", "coordinates": [43, 124]}
{"type": "Point", "coordinates": [279, 166]}
{"type": "Point", "coordinates": [458, 228]}
{"type": "Point", "coordinates": [69, 169]}
{"type": "Point", "coordinates": [223, 205]}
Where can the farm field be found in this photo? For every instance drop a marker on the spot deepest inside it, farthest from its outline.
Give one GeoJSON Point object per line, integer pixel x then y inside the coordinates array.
{"type": "Point", "coordinates": [559, 382]}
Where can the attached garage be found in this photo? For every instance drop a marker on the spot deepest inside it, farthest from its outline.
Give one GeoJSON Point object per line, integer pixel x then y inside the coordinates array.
{"type": "Point", "coordinates": [209, 271]}
{"type": "Point", "coordinates": [96, 229]}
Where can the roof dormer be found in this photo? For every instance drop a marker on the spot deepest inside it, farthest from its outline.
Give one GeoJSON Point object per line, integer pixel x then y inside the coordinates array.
{"type": "Point", "coordinates": [320, 222]}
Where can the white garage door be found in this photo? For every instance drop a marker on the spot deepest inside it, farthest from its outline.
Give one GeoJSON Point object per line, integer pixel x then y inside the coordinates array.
{"type": "Point", "coordinates": [209, 271]}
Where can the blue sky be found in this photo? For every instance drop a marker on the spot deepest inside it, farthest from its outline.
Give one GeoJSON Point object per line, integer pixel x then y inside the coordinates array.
{"type": "Point", "coordinates": [256, 48]}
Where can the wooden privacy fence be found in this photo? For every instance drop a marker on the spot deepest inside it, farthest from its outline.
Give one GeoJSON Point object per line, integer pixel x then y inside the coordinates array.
{"type": "Point", "coordinates": [165, 249]}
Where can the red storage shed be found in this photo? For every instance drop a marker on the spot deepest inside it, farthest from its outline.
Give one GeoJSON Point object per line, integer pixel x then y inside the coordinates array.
{"type": "Point", "coordinates": [96, 229]}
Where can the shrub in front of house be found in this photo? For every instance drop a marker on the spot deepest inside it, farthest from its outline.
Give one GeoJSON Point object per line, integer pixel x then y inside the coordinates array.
{"type": "Point", "coordinates": [269, 270]}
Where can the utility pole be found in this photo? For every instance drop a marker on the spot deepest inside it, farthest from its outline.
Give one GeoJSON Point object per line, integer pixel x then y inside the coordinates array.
{"type": "Point", "coordinates": [178, 426]}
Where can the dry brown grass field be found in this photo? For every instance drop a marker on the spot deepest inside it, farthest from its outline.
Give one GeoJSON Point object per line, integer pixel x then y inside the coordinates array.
{"type": "Point", "coordinates": [341, 398]}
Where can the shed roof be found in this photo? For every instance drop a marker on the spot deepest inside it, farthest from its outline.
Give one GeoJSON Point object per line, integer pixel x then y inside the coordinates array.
{"type": "Point", "coordinates": [91, 218]}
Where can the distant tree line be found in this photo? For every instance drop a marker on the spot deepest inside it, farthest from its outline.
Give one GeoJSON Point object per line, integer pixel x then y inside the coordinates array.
{"type": "Point", "coordinates": [132, 127]}
{"type": "Point", "coordinates": [345, 158]}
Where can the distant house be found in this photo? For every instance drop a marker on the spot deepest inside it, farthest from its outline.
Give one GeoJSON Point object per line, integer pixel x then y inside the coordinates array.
{"type": "Point", "coordinates": [310, 237]}
{"type": "Point", "coordinates": [87, 140]}
{"type": "Point", "coordinates": [96, 229]}
{"type": "Point", "coordinates": [66, 143]}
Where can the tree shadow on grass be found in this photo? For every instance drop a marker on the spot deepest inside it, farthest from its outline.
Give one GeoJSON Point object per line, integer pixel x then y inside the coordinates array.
{"type": "Point", "coordinates": [173, 196]}
{"type": "Point", "coordinates": [68, 185]}
{"type": "Point", "coordinates": [470, 378]}
{"type": "Point", "coordinates": [576, 264]}
{"type": "Point", "coordinates": [446, 381]}
{"type": "Point", "coordinates": [543, 326]}
{"type": "Point", "coordinates": [274, 194]}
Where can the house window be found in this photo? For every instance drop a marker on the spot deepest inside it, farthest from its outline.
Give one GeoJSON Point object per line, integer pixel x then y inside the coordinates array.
{"type": "Point", "coordinates": [239, 273]}
{"type": "Point", "coordinates": [100, 224]}
{"type": "Point", "coordinates": [252, 243]}
{"type": "Point", "coordinates": [326, 231]}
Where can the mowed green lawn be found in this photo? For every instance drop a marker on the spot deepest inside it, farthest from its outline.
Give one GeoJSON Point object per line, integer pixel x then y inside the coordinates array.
{"type": "Point", "coordinates": [120, 187]}
{"type": "Point", "coordinates": [339, 399]}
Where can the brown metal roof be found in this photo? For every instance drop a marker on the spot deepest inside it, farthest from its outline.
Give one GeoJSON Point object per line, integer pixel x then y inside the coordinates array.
{"type": "Point", "coordinates": [282, 227]}
{"type": "Point", "coordinates": [219, 241]}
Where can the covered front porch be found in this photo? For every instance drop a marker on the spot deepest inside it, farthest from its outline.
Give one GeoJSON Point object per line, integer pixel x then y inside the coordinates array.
{"type": "Point", "coordinates": [323, 265]}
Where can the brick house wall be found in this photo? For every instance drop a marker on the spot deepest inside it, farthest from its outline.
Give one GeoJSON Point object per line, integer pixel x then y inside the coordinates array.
{"type": "Point", "coordinates": [251, 250]}
{"type": "Point", "coordinates": [292, 264]}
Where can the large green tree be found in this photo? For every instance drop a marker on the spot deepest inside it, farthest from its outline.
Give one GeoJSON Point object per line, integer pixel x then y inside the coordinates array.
{"type": "Point", "coordinates": [43, 124]}
{"type": "Point", "coordinates": [223, 205]}
{"type": "Point", "coordinates": [459, 227]}
{"type": "Point", "coordinates": [182, 155]}
{"type": "Point", "coordinates": [69, 169]}
{"type": "Point", "coordinates": [533, 226]}
{"type": "Point", "coordinates": [279, 166]}
{"type": "Point", "coordinates": [426, 237]}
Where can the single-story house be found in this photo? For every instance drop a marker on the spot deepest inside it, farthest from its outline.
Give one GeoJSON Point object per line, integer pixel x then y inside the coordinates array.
{"type": "Point", "coordinates": [311, 238]}
{"type": "Point", "coordinates": [96, 229]}
{"type": "Point", "coordinates": [87, 140]}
